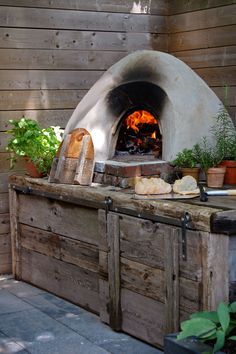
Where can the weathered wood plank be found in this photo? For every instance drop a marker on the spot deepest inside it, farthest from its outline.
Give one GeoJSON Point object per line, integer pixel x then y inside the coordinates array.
{"type": "Point", "coordinates": [193, 5]}
{"type": "Point", "coordinates": [4, 180]}
{"type": "Point", "coordinates": [51, 215]}
{"type": "Point", "coordinates": [159, 7]}
{"type": "Point", "coordinates": [4, 223]}
{"type": "Point", "coordinates": [190, 295]}
{"type": "Point", "coordinates": [63, 279]}
{"type": "Point", "coordinates": [40, 79]}
{"type": "Point", "coordinates": [5, 163]}
{"type": "Point", "coordinates": [209, 57]}
{"type": "Point", "coordinates": [5, 244]}
{"type": "Point", "coordinates": [15, 235]}
{"type": "Point", "coordinates": [63, 248]}
{"type": "Point", "coordinates": [45, 118]}
{"type": "Point", "coordinates": [215, 270]}
{"type": "Point", "coordinates": [114, 272]}
{"type": "Point", "coordinates": [144, 316]}
{"type": "Point", "coordinates": [218, 76]}
{"type": "Point", "coordinates": [205, 38]}
{"type": "Point", "coordinates": [212, 17]}
{"type": "Point", "coordinates": [40, 99]}
{"type": "Point", "coordinates": [224, 222]}
{"type": "Point", "coordinates": [24, 38]}
{"type": "Point", "coordinates": [172, 280]}
{"type": "Point", "coordinates": [4, 203]}
{"type": "Point", "coordinates": [79, 20]}
{"type": "Point", "coordinates": [6, 268]}
{"type": "Point", "coordinates": [231, 96]}
{"type": "Point", "coordinates": [37, 59]}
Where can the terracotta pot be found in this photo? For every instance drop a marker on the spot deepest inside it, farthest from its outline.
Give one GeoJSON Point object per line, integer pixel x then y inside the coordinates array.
{"type": "Point", "coordinates": [215, 176]}
{"type": "Point", "coordinates": [230, 173]}
{"type": "Point", "coordinates": [31, 169]}
{"type": "Point", "coordinates": [194, 172]}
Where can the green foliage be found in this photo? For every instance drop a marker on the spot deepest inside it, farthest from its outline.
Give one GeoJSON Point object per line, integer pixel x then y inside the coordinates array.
{"type": "Point", "coordinates": [28, 139]}
{"type": "Point", "coordinates": [225, 135]}
{"type": "Point", "coordinates": [206, 154]}
{"type": "Point", "coordinates": [185, 158]}
{"type": "Point", "coordinates": [212, 325]}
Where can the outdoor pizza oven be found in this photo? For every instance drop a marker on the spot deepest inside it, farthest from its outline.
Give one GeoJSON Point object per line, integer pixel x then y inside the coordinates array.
{"type": "Point", "coordinates": [149, 104]}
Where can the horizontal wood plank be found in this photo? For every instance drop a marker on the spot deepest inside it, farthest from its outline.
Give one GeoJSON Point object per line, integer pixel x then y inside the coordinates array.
{"type": "Point", "coordinates": [47, 79]}
{"type": "Point", "coordinates": [205, 38]}
{"type": "Point", "coordinates": [79, 20]}
{"type": "Point", "coordinates": [51, 215]}
{"type": "Point", "coordinates": [65, 249]}
{"type": "Point", "coordinates": [45, 118]}
{"type": "Point", "coordinates": [209, 18]}
{"type": "Point", "coordinates": [80, 40]}
{"type": "Point", "coordinates": [182, 6]}
{"type": "Point", "coordinates": [209, 57]}
{"type": "Point", "coordinates": [5, 164]}
{"type": "Point", "coordinates": [34, 59]}
{"type": "Point", "coordinates": [40, 99]}
{"type": "Point", "coordinates": [231, 96]}
{"type": "Point", "coordinates": [63, 279]}
{"type": "Point", "coordinates": [159, 7]}
{"type": "Point", "coordinates": [218, 76]}
{"type": "Point", "coordinates": [6, 268]}
{"type": "Point", "coordinates": [4, 203]}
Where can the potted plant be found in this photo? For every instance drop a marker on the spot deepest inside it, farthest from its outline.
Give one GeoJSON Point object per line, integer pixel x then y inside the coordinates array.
{"type": "Point", "coordinates": [225, 135]}
{"type": "Point", "coordinates": [209, 159]}
{"type": "Point", "coordinates": [36, 145]}
{"type": "Point", "coordinates": [206, 332]}
{"type": "Point", "coordinates": [186, 161]}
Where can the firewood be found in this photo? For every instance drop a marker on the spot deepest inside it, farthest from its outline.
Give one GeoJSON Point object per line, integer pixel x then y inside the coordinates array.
{"type": "Point", "coordinates": [85, 164]}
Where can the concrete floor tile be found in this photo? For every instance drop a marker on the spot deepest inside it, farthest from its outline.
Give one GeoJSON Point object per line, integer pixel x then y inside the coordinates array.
{"type": "Point", "coordinates": [10, 303]}
{"type": "Point", "coordinates": [19, 288]}
{"type": "Point", "coordinates": [129, 346]}
{"type": "Point", "coordinates": [8, 346]}
{"type": "Point", "coordinates": [90, 326]}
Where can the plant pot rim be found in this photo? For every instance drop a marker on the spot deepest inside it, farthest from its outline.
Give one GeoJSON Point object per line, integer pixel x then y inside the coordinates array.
{"type": "Point", "coordinates": [186, 346]}
{"type": "Point", "coordinates": [219, 169]}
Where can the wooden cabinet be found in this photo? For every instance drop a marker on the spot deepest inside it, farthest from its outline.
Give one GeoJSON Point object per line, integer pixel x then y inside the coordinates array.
{"type": "Point", "coordinates": [131, 263]}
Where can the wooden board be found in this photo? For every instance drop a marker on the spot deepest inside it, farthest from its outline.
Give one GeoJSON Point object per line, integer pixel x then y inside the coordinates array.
{"type": "Point", "coordinates": [79, 20]}
{"type": "Point", "coordinates": [63, 279]}
{"type": "Point", "coordinates": [182, 6]}
{"type": "Point", "coordinates": [4, 223]}
{"type": "Point", "coordinates": [80, 40]}
{"type": "Point", "coordinates": [40, 99]}
{"type": "Point", "coordinates": [159, 7]}
{"type": "Point", "coordinates": [4, 203]}
{"type": "Point", "coordinates": [5, 245]}
{"type": "Point", "coordinates": [55, 216]}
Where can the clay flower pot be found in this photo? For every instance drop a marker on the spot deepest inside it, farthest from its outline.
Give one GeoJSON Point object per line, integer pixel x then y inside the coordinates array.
{"type": "Point", "coordinates": [31, 169]}
{"type": "Point", "coordinates": [194, 172]}
{"type": "Point", "coordinates": [215, 176]}
{"type": "Point", "coordinates": [230, 173]}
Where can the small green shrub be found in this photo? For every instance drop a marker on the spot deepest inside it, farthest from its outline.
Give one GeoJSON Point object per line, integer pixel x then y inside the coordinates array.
{"type": "Point", "coordinates": [185, 158]}
{"type": "Point", "coordinates": [206, 154]}
{"type": "Point", "coordinates": [28, 139]}
{"type": "Point", "coordinates": [215, 326]}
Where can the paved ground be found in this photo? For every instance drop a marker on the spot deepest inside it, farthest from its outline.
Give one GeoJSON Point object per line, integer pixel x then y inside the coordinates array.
{"type": "Point", "coordinates": [34, 321]}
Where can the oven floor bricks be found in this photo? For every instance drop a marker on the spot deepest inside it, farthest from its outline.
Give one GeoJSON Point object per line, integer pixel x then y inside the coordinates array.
{"type": "Point", "coordinates": [124, 174]}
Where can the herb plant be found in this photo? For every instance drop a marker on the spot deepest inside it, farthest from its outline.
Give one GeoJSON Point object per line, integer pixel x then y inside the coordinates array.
{"type": "Point", "coordinates": [185, 158]}
{"type": "Point", "coordinates": [206, 154]}
{"type": "Point", "coordinates": [29, 140]}
{"type": "Point", "coordinates": [217, 326]}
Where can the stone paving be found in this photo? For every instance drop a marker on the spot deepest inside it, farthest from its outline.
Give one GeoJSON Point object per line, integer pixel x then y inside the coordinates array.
{"type": "Point", "coordinates": [35, 321]}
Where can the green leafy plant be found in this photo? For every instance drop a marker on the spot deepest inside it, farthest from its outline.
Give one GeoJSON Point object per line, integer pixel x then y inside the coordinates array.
{"type": "Point", "coordinates": [206, 154]}
{"type": "Point", "coordinates": [214, 326]}
{"type": "Point", "coordinates": [29, 140]}
{"type": "Point", "coordinates": [185, 158]}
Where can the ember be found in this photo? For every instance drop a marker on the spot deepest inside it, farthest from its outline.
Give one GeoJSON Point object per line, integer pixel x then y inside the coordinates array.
{"type": "Point", "coordinates": [140, 134]}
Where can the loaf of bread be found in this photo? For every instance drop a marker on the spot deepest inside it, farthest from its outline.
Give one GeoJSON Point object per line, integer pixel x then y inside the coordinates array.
{"type": "Point", "coordinates": [152, 186]}
{"type": "Point", "coordinates": [186, 185]}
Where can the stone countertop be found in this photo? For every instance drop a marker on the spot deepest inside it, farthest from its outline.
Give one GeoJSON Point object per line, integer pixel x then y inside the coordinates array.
{"type": "Point", "coordinates": [218, 215]}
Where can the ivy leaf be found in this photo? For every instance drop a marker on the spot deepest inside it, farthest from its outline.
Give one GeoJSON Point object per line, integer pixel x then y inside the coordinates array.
{"type": "Point", "coordinates": [198, 327]}
{"type": "Point", "coordinates": [220, 341]}
{"type": "Point", "coordinates": [223, 314]}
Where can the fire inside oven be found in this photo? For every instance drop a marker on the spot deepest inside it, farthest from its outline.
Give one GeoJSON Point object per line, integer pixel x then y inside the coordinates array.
{"type": "Point", "coordinates": [140, 134]}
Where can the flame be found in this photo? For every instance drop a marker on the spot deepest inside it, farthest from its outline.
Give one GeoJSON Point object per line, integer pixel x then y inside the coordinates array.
{"type": "Point", "coordinates": [154, 135]}
{"type": "Point", "coordinates": [139, 117]}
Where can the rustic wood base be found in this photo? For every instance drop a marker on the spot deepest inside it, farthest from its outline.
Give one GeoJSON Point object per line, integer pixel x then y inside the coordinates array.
{"type": "Point", "coordinates": [119, 257]}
